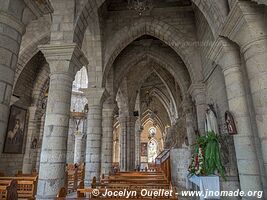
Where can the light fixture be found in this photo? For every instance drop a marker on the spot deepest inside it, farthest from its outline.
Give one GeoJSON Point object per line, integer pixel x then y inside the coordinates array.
{"type": "Point", "coordinates": [140, 6]}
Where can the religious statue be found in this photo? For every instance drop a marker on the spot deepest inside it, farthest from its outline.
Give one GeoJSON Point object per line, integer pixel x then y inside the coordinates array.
{"type": "Point", "coordinates": [211, 121]}
{"type": "Point", "coordinates": [34, 143]}
{"type": "Point", "coordinates": [212, 125]}
{"type": "Point", "coordinates": [230, 123]}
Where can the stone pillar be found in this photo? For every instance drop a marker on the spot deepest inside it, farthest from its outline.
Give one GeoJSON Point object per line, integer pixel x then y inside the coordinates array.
{"type": "Point", "coordinates": [188, 111]}
{"type": "Point", "coordinates": [255, 55]}
{"type": "Point", "coordinates": [71, 141]}
{"type": "Point", "coordinates": [95, 97]}
{"type": "Point", "coordinates": [137, 147]}
{"type": "Point", "coordinates": [64, 61]}
{"type": "Point", "coordinates": [78, 147]}
{"type": "Point", "coordinates": [197, 92]}
{"type": "Point", "coordinates": [11, 32]}
{"type": "Point", "coordinates": [246, 26]}
{"type": "Point", "coordinates": [28, 156]}
{"type": "Point", "coordinates": [131, 144]}
{"type": "Point", "coordinates": [107, 139]}
{"type": "Point", "coordinates": [40, 140]}
{"type": "Point", "coordinates": [228, 57]}
{"type": "Point", "coordinates": [123, 149]}
{"type": "Point", "coordinates": [116, 149]}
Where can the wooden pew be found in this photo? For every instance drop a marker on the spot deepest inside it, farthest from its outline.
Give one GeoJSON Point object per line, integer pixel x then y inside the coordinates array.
{"type": "Point", "coordinates": [26, 186]}
{"type": "Point", "coordinates": [75, 174]}
{"type": "Point", "coordinates": [71, 178]}
{"type": "Point", "coordinates": [131, 181]}
{"type": "Point", "coordinates": [81, 172]}
{"type": "Point", "coordinates": [8, 190]}
{"type": "Point", "coordinates": [62, 193]}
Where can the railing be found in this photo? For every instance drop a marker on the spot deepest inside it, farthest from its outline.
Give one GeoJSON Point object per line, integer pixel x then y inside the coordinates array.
{"type": "Point", "coordinates": [163, 163]}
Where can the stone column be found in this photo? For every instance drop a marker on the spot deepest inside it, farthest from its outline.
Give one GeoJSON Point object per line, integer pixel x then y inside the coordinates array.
{"type": "Point", "coordinates": [228, 57]}
{"type": "Point", "coordinates": [188, 110]}
{"type": "Point", "coordinates": [95, 97]}
{"type": "Point", "coordinates": [11, 32]}
{"type": "Point", "coordinates": [116, 149]}
{"type": "Point", "coordinates": [40, 139]}
{"type": "Point", "coordinates": [123, 150]}
{"type": "Point", "coordinates": [78, 147]}
{"type": "Point", "coordinates": [137, 147]}
{"type": "Point", "coordinates": [197, 92]}
{"type": "Point", "coordinates": [246, 26]}
{"type": "Point", "coordinates": [131, 143]}
{"type": "Point", "coordinates": [31, 134]}
{"type": "Point", "coordinates": [64, 61]}
{"type": "Point", "coordinates": [107, 139]}
{"type": "Point", "coordinates": [255, 55]}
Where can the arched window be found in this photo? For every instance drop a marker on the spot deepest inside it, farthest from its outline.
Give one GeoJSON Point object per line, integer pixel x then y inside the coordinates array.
{"type": "Point", "coordinates": [81, 80]}
{"type": "Point", "coordinates": [152, 150]}
{"type": "Point", "coordinates": [152, 132]}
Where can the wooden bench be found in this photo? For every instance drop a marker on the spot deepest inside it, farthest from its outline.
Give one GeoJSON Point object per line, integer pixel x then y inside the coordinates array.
{"type": "Point", "coordinates": [26, 186]}
{"type": "Point", "coordinates": [8, 190]}
{"type": "Point", "coordinates": [74, 175]}
{"type": "Point", "coordinates": [131, 181]}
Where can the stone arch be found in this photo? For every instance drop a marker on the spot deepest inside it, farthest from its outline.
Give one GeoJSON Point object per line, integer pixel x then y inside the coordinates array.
{"type": "Point", "coordinates": [163, 99]}
{"type": "Point", "coordinates": [213, 12]}
{"type": "Point", "coordinates": [160, 60]}
{"type": "Point", "coordinates": [164, 32]}
{"type": "Point", "coordinates": [142, 76]}
{"type": "Point", "coordinates": [28, 51]}
{"type": "Point", "coordinates": [146, 118]}
{"type": "Point", "coordinates": [40, 86]}
{"type": "Point", "coordinates": [87, 19]}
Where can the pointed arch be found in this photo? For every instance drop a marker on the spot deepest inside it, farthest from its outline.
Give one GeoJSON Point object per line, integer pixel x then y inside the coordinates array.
{"type": "Point", "coordinates": [177, 40]}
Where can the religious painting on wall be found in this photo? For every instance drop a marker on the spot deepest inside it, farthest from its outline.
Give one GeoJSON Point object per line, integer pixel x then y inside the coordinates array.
{"type": "Point", "coordinates": [143, 149]}
{"type": "Point", "coordinates": [15, 130]}
{"type": "Point", "coordinates": [230, 123]}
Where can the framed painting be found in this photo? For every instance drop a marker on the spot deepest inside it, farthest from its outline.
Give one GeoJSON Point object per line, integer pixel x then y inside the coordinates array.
{"type": "Point", "coordinates": [15, 130]}
{"type": "Point", "coordinates": [143, 149]}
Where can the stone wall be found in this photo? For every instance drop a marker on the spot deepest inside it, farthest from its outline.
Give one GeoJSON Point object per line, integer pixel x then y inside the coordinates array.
{"type": "Point", "coordinates": [180, 160]}
{"type": "Point", "coordinates": [31, 75]}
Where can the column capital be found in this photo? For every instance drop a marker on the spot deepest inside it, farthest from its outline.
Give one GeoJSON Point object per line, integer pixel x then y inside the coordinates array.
{"type": "Point", "coordinates": [187, 106]}
{"type": "Point", "coordinates": [197, 91]}
{"type": "Point", "coordinates": [225, 53]}
{"type": "Point", "coordinates": [64, 58]}
{"type": "Point", "coordinates": [109, 103]}
{"type": "Point", "coordinates": [95, 96]}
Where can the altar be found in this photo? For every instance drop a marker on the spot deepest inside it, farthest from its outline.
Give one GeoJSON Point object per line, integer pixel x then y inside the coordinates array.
{"type": "Point", "coordinates": [209, 185]}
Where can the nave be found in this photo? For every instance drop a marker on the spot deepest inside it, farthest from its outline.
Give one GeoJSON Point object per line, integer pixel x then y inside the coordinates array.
{"type": "Point", "coordinates": [110, 85]}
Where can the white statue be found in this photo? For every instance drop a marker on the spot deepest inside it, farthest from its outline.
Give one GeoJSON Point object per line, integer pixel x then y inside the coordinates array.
{"type": "Point", "coordinates": [211, 121]}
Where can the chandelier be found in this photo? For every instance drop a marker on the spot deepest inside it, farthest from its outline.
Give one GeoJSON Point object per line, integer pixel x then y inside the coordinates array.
{"type": "Point", "coordinates": [140, 6]}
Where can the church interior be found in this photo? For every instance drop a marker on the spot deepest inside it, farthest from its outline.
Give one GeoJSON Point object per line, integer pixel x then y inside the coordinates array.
{"type": "Point", "coordinates": [132, 94]}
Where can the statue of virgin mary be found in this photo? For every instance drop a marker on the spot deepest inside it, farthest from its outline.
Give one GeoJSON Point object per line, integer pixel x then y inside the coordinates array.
{"type": "Point", "coordinates": [211, 121]}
